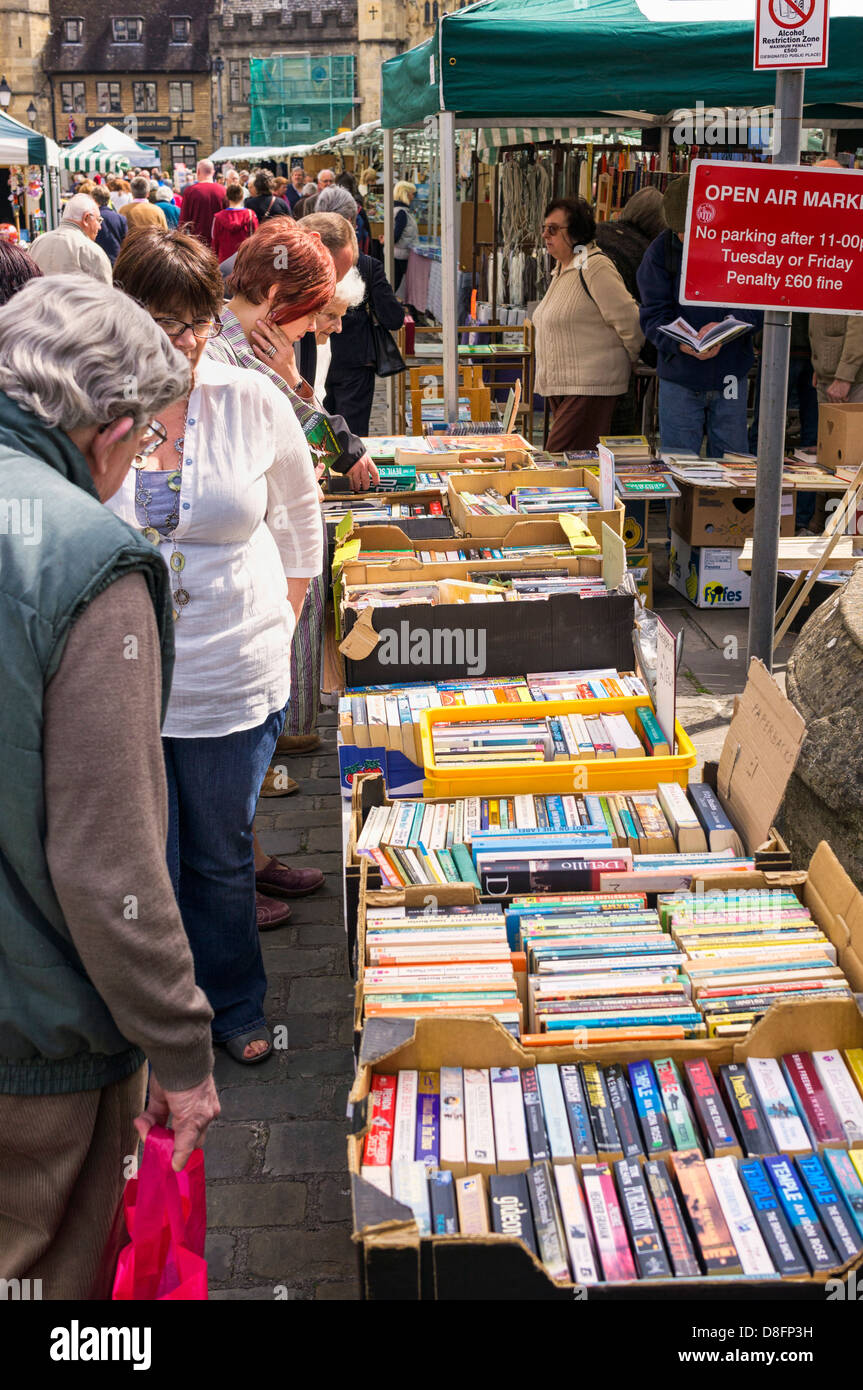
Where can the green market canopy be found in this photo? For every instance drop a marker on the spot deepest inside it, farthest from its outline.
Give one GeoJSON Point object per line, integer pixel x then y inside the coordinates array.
{"type": "Point", "coordinates": [509, 59]}
{"type": "Point", "coordinates": [107, 151]}
{"type": "Point", "coordinates": [19, 145]}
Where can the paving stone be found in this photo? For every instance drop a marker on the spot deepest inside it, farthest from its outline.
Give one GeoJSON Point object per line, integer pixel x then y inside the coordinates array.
{"type": "Point", "coordinates": [298, 960]}
{"type": "Point", "coordinates": [338, 1291]}
{"type": "Point", "coordinates": [327, 838]}
{"type": "Point", "coordinates": [314, 993]}
{"type": "Point", "coordinates": [219, 1254]}
{"type": "Point", "coordinates": [268, 1203]}
{"type": "Point", "coordinates": [231, 1150]}
{"type": "Point", "coordinates": [307, 1030]}
{"type": "Point", "coordinates": [281, 843]}
{"type": "Point", "coordinates": [334, 1201]}
{"type": "Point", "coordinates": [308, 1146]}
{"type": "Point", "coordinates": [278, 1101]}
{"type": "Point", "coordinates": [345, 1031]}
{"type": "Point", "coordinates": [286, 1255]}
{"type": "Point", "coordinates": [329, 1062]}
{"type": "Point", "coordinates": [260, 1295]}
{"type": "Point", "coordinates": [324, 934]}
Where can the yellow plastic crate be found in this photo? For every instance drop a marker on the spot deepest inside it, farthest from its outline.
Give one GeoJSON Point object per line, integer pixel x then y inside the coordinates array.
{"type": "Point", "coordinates": [557, 778]}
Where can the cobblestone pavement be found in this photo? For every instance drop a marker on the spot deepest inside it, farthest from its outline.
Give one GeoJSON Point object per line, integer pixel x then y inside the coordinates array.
{"type": "Point", "coordinates": [278, 1196]}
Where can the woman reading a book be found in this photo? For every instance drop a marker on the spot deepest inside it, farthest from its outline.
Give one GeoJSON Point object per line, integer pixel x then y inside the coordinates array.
{"type": "Point", "coordinates": [587, 331]}
{"type": "Point", "coordinates": [228, 496]}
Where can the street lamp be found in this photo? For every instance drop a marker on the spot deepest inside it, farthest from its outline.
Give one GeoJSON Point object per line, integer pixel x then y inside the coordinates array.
{"type": "Point", "coordinates": [32, 113]}
{"type": "Point", "coordinates": [217, 67]}
{"type": "Point", "coordinates": [5, 93]}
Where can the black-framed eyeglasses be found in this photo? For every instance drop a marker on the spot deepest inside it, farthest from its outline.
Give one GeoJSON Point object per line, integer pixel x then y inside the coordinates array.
{"type": "Point", "coordinates": [202, 328]}
{"type": "Point", "coordinates": [551, 229]}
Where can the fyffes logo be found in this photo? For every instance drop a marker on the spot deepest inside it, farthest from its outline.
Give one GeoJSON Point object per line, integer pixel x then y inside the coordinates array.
{"type": "Point", "coordinates": [717, 593]}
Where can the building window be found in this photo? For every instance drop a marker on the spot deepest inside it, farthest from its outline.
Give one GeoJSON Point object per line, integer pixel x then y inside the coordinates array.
{"type": "Point", "coordinates": [239, 137]}
{"type": "Point", "coordinates": [180, 96]}
{"type": "Point", "coordinates": [73, 97]}
{"type": "Point", "coordinates": [238, 72]}
{"type": "Point", "coordinates": [183, 154]}
{"type": "Point", "coordinates": [435, 11]}
{"type": "Point", "coordinates": [427, 12]}
{"type": "Point", "coordinates": [180, 28]}
{"type": "Point", "coordinates": [73, 30]}
{"type": "Point", "coordinates": [144, 94]}
{"type": "Point", "coordinates": [129, 29]}
{"type": "Point", "coordinates": [108, 98]}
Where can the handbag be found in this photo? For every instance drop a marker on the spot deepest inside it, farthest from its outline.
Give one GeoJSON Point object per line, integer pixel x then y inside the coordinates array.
{"type": "Point", "coordinates": [387, 360]}
{"type": "Point", "coordinates": [166, 1217]}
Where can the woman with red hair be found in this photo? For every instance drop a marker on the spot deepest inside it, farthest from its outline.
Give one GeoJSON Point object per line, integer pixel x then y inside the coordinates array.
{"type": "Point", "coordinates": [228, 496]}
{"type": "Point", "coordinates": [281, 278]}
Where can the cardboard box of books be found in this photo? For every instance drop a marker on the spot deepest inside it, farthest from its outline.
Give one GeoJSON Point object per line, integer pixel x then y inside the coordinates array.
{"type": "Point", "coordinates": [840, 435]}
{"type": "Point", "coordinates": [708, 575]}
{"type": "Point", "coordinates": [461, 485]}
{"type": "Point", "coordinates": [481, 1170]}
{"type": "Point", "coordinates": [721, 516]}
{"type": "Point", "coordinates": [456, 460]}
{"type": "Point", "coordinates": [415, 641]}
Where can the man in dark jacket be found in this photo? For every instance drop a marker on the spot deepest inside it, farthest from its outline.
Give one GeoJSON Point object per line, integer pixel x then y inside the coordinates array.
{"type": "Point", "coordinates": [114, 227]}
{"type": "Point", "coordinates": [699, 392]}
{"type": "Point", "coordinates": [626, 240]}
{"type": "Point", "coordinates": [351, 378]}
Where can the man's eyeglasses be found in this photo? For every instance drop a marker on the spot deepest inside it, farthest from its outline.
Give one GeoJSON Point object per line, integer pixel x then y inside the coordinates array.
{"type": "Point", "coordinates": [202, 328]}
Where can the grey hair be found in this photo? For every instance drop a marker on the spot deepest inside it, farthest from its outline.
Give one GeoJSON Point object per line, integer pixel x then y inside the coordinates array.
{"type": "Point", "coordinates": [336, 199]}
{"type": "Point", "coordinates": [75, 352]}
{"type": "Point", "coordinates": [78, 207]}
{"type": "Point", "coordinates": [351, 289]}
{"type": "Point", "coordinates": [140, 186]}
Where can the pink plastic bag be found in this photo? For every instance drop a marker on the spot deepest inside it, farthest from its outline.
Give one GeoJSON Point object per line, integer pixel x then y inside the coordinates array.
{"type": "Point", "coordinates": [166, 1217]}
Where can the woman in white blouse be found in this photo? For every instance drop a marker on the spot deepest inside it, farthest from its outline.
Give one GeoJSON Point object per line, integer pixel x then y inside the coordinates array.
{"type": "Point", "coordinates": [230, 499]}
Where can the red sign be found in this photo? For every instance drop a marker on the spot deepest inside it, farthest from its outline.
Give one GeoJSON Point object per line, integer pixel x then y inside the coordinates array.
{"type": "Point", "coordinates": [774, 236]}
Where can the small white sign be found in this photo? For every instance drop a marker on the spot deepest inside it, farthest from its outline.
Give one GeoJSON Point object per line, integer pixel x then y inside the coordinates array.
{"type": "Point", "coordinates": [606, 478]}
{"type": "Point", "coordinates": [791, 34]}
{"type": "Point", "coordinates": [666, 681]}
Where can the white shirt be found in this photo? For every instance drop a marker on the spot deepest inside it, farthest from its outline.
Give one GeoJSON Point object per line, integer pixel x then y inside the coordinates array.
{"type": "Point", "coordinates": [249, 518]}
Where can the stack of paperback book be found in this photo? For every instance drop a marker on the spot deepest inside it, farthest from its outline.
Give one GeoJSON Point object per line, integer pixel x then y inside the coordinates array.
{"type": "Point", "coordinates": [438, 960]}
{"type": "Point", "coordinates": [540, 501]}
{"type": "Point", "coordinates": [563, 737]}
{"type": "Point", "coordinates": [646, 1171]}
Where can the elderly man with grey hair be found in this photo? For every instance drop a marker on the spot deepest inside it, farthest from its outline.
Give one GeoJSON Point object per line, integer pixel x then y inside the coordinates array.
{"type": "Point", "coordinates": [71, 247]}
{"type": "Point", "coordinates": [97, 972]}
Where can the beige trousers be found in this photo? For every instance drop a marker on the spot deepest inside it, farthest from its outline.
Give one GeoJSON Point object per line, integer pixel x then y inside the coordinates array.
{"type": "Point", "coordinates": [62, 1173]}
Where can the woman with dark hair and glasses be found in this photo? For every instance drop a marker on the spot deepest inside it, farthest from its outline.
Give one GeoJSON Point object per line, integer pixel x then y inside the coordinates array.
{"type": "Point", "coordinates": [587, 330]}
{"type": "Point", "coordinates": [230, 499]}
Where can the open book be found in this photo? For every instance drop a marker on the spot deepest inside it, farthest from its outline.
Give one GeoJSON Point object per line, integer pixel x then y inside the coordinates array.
{"type": "Point", "coordinates": [704, 338]}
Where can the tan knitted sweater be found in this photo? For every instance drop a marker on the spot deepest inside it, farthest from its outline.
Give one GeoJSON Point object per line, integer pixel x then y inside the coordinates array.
{"type": "Point", "coordinates": [584, 346]}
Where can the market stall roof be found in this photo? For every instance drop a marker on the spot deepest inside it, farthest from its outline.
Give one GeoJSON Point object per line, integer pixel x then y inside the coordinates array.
{"type": "Point", "coordinates": [252, 152]}
{"type": "Point", "coordinates": [21, 145]}
{"type": "Point", "coordinates": [106, 151]}
{"type": "Point", "coordinates": [505, 59]}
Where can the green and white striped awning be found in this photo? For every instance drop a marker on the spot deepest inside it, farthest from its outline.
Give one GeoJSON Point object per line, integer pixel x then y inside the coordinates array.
{"type": "Point", "coordinates": [90, 162]}
{"type": "Point", "coordinates": [492, 139]}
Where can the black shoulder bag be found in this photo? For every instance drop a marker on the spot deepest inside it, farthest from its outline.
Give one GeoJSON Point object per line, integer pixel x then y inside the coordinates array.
{"type": "Point", "coordinates": [387, 359]}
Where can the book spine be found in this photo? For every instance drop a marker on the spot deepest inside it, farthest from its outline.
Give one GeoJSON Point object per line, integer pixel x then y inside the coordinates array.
{"type": "Point", "coordinates": [546, 1220]}
{"type": "Point", "coordinates": [845, 1176]}
{"type": "Point", "coordinates": [718, 1251]}
{"type": "Point", "coordinates": [444, 1220]}
{"type": "Point", "coordinates": [452, 1125]}
{"type": "Point", "coordinates": [772, 1221]}
{"type": "Point", "coordinates": [479, 1122]}
{"type": "Point", "coordinates": [606, 1218]}
{"type": "Point", "coordinates": [472, 1205]}
{"type": "Point", "coordinates": [747, 1116]}
{"type": "Point", "coordinates": [788, 1130]}
{"type": "Point", "coordinates": [533, 1114]}
{"type": "Point", "coordinates": [554, 1113]}
{"type": "Point", "coordinates": [812, 1100]}
{"type": "Point", "coordinates": [655, 1132]}
{"type": "Point", "coordinates": [800, 1212]}
{"type": "Point", "coordinates": [683, 1131]}
{"type": "Point", "coordinates": [509, 1199]}
{"type": "Point", "coordinates": [410, 1186]}
{"type": "Point", "coordinates": [624, 1111]}
{"type": "Point", "coordinates": [713, 1118]}
{"type": "Point", "coordinates": [830, 1207]}
{"type": "Point", "coordinates": [577, 1113]}
{"type": "Point", "coordinates": [754, 1255]}
{"type": "Point", "coordinates": [427, 1148]}
{"type": "Point", "coordinates": [378, 1147]}
{"type": "Point", "coordinates": [645, 1239]}
{"type": "Point", "coordinates": [843, 1094]}
{"type": "Point", "coordinates": [510, 1131]}
{"type": "Point", "coordinates": [670, 1218]}
{"type": "Point", "coordinates": [404, 1135]}
{"type": "Point", "coordinates": [602, 1122]}
{"type": "Point", "coordinates": [575, 1225]}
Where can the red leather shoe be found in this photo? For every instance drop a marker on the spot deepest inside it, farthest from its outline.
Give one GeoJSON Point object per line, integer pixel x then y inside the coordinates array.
{"type": "Point", "coordinates": [271, 915]}
{"type": "Point", "coordinates": [277, 880]}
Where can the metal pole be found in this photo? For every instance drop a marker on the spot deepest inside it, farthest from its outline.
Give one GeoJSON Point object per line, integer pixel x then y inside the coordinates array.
{"type": "Point", "coordinates": [664, 140]}
{"type": "Point", "coordinates": [389, 258]}
{"type": "Point", "coordinates": [449, 262]}
{"type": "Point", "coordinates": [788, 114]}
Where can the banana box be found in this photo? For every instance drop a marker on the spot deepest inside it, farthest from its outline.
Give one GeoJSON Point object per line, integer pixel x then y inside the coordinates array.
{"type": "Point", "coordinates": [707, 574]}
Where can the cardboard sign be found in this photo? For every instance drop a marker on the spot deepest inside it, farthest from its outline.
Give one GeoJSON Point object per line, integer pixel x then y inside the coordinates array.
{"type": "Point", "coordinates": [774, 236]}
{"type": "Point", "coordinates": [759, 755]}
{"type": "Point", "coordinates": [613, 558]}
{"type": "Point", "coordinates": [791, 34]}
{"type": "Point", "coordinates": [606, 478]}
{"type": "Point", "coordinates": [666, 682]}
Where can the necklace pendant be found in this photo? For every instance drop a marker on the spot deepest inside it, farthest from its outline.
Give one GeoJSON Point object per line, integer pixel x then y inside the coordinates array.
{"type": "Point", "coordinates": [175, 481]}
{"type": "Point", "coordinates": [152, 535]}
{"type": "Point", "coordinates": [177, 561]}
{"type": "Point", "coordinates": [182, 597]}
